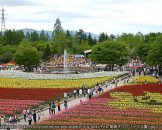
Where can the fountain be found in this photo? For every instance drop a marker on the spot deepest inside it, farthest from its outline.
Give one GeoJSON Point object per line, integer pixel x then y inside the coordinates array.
{"type": "Point", "coordinates": [65, 69]}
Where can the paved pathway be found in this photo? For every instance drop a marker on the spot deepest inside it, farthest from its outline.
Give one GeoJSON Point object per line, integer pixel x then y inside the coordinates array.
{"type": "Point", "coordinates": [72, 103]}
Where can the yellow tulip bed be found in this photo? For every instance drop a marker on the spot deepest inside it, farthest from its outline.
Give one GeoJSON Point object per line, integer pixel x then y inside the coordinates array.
{"type": "Point", "coordinates": [148, 79]}
{"type": "Point", "coordinates": [67, 83]}
{"type": "Point", "coordinates": [126, 100]}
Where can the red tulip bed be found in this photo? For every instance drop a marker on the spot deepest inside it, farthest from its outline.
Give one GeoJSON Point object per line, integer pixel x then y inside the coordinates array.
{"type": "Point", "coordinates": [136, 90]}
{"type": "Point", "coordinates": [14, 99]}
{"type": "Point", "coordinates": [44, 94]}
{"type": "Point", "coordinates": [97, 113]}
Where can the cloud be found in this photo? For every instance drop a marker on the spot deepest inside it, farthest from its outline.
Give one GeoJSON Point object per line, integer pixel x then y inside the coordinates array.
{"type": "Point", "coordinates": [111, 16]}
{"type": "Point", "coordinates": [19, 3]}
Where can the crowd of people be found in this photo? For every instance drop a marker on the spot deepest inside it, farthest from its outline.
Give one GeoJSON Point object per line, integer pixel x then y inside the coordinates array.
{"type": "Point", "coordinates": [57, 105]}
{"type": "Point", "coordinates": [30, 116]}
{"type": "Point", "coordinates": [88, 92]}
{"type": "Point", "coordinates": [72, 61]}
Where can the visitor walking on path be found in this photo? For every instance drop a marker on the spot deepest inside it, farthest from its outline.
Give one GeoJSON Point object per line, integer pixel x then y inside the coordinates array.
{"type": "Point", "coordinates": [58, 105]}
{"type": "Point", "coordinates": [15, 119]}
{"type": "Point", "coordinates": [50, 108]}
{"type": "Point", "coordinates": [53, 106]}
{"type": "Point", "coordinates": [30, 118]}
{"type": "Point", "coordinates": [1, 120]}
{"type": "Point", "coordinates": [11, 119]}
{"type": "Point", "coordinates": [65, 104]}
{"type": "Point", "coordinates": [38, 114]}
{"type": "Point", "coordinates": [35, 117]}
{"type": "Point", "coordinates": [74, 91]}
{"type": "Point", "coordinates": [41, 108]}
{"type": "Point", "coordinates": [28, 111]}
{"type": "Point", "coordinates": [24, 114]}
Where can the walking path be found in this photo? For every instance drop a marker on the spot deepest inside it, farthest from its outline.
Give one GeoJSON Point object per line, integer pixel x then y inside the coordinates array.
{"type": "Point", "coordinates": [71, 103]}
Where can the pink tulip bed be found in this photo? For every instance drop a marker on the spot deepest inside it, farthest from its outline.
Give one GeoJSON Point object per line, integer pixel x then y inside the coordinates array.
{"type": "Point", "coordinates": [10, 106]}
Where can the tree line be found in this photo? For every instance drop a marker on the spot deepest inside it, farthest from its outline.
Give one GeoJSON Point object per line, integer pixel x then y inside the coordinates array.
{"type": "Point", "coordinates": [120, 49]}
{"type": "Point", "coordinates": [28, 49]}
{"type": "Point", "coordinates": [14, 43]}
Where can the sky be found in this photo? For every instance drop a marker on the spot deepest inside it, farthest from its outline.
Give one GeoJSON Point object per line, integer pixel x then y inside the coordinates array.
{"type": "Point", "coordinates": [96, 16]}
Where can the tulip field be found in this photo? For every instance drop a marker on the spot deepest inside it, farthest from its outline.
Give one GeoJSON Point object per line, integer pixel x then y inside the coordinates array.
{"type": "Point", "coordinates": [15, 99]}
{"type": "Point", "coordinates": [17, 93]}
{"type": "Point", "coordinates": [116, 107]}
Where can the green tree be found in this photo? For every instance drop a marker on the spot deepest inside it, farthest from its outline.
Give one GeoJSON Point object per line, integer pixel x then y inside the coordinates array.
{"type": "Point", "coordinates": [28, 36]}
{"type": "Point", "coordinates": [129, 39]}
{"type": "Point", "coordinates": [7, 53]}
{"type": "Point", "coordinates": [47, 36]}
{"type": "Point", "coordinates": [59, 38]}
{"type": "Point", "coordinates": [154, 56]}
{"type": "Point", "coordinates": [68, 33]}
{"type": "Point", "coordinates": [112, 36]}
{"type": "Point", "coordinates": [12, 37]}
{"type": "Point", "coordinates": [34, 36]}
{"type": "Point", "coordinates": [103, 37]}
{"type": "Point", "coordinates": [27, 55]}
{"type": "Point", "coordinates": [151, 37]}
{"type": "Point", "coordinates": [90, 40]}
{"type": "Point", "coordinates": [81, 36]}
{"type": "Point", "coordinates": [80, 48]}
{"type": "Point", "coordinates": [61, 42]}
{"type": "Point", "coordinates": [47, 52]}
{"type": "Point", "coordinates": [42, 36]}
{"type": "Point", "coordinates": [110, 52]}
{"type": "Point", "coordinates": [138, 48]}
{"type": "Point", "coordinates": [57, 27]}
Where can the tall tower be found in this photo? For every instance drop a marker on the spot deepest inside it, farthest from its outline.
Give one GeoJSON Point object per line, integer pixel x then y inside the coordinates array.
{"type": "Point", "coordinates": [3, 20]}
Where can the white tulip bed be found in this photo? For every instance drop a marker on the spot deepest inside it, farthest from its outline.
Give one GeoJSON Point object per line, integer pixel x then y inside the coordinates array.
{"type": "Point", "coordinates": [27, 75]}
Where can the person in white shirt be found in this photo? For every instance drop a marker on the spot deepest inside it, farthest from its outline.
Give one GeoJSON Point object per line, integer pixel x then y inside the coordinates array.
{"type": "Point", "coordinates": [80, 91]}
{"type": "Point", "coordinates": [1, 120]}
{"type": "Point", "coordinates": [10, 119]}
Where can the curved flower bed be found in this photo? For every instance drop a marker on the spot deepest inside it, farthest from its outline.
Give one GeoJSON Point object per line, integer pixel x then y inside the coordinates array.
{"type": "Point", "coordinates": [25, 75]}
{"type": "Point", "coordinates": [43, 94]}
{"type": "Point", "coordinates": [97, 112]}
{"type": "Point", "coordinates": [148, 79]}
{"type": "Point", "coordinates": [75, 83]}
{"type": "Point", "coordinates": [136, 90]}
{"type": "Point", "coordinates": [115, 107]}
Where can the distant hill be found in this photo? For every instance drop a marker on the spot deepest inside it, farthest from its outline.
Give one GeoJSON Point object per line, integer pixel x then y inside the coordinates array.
{"type": "Point", "coordinates": [25, 30]}
{"type": "Point", "coordinates": [93, 35]}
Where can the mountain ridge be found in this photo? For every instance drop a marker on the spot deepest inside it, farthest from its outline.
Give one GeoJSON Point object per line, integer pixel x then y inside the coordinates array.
{"type": "Point", "coordinates": [30, 30]}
